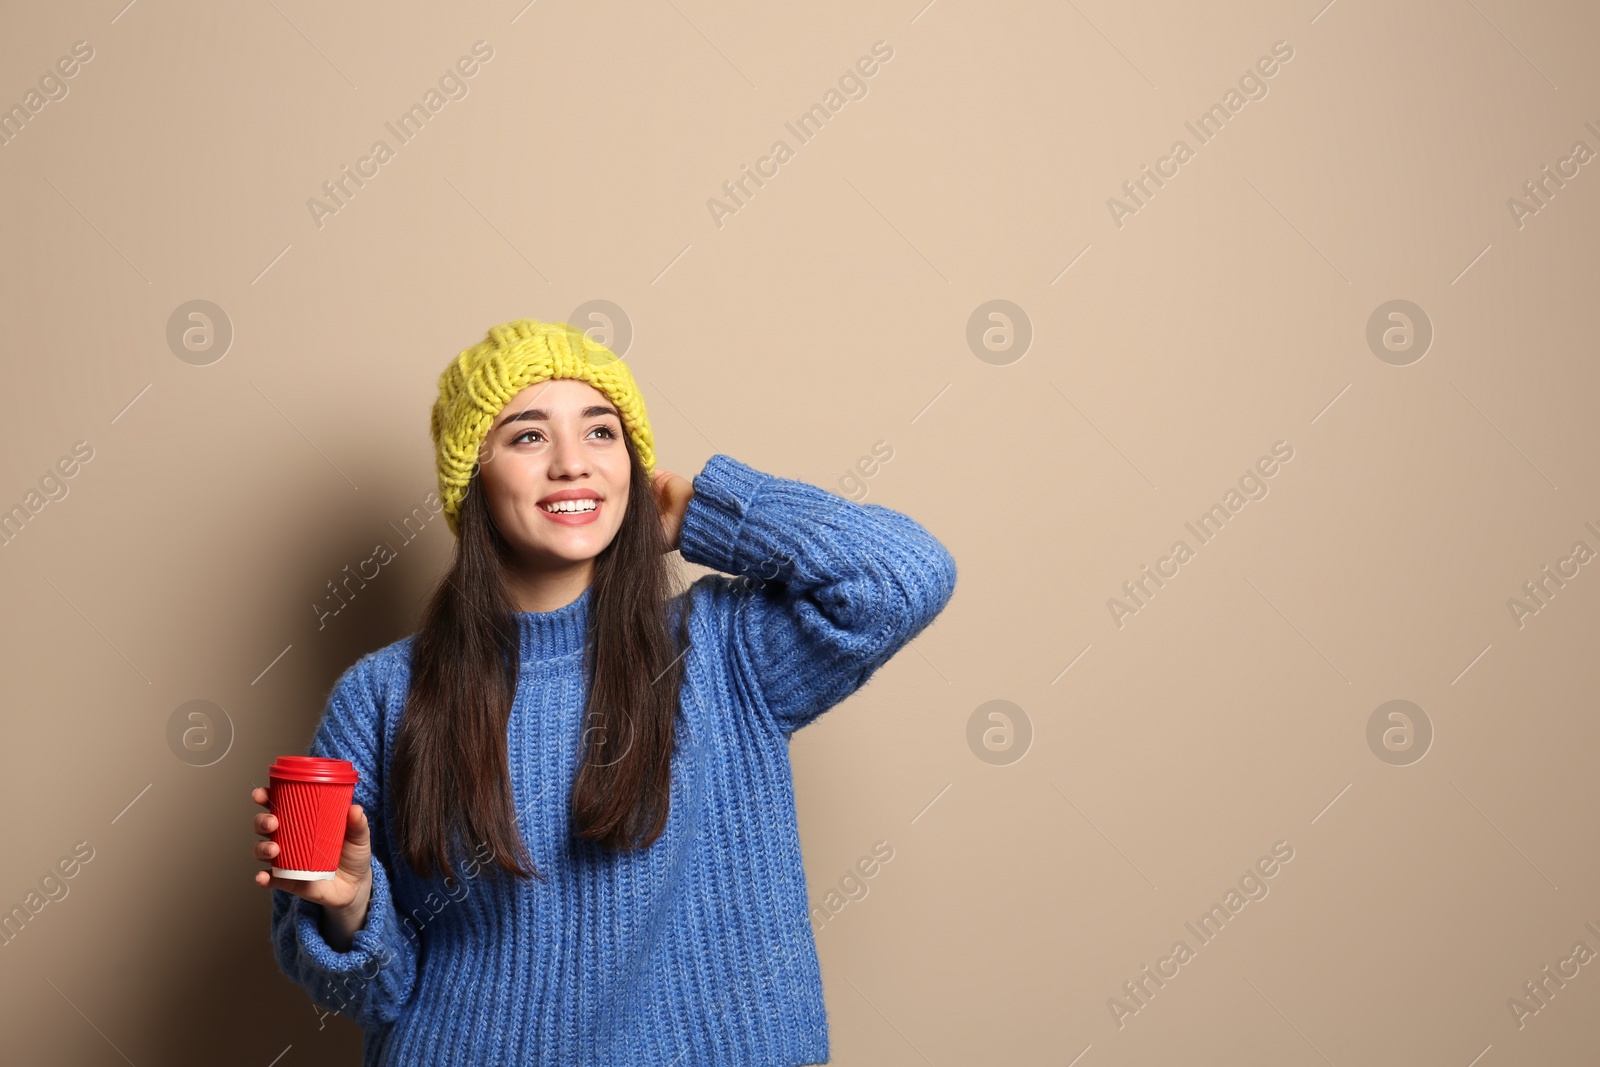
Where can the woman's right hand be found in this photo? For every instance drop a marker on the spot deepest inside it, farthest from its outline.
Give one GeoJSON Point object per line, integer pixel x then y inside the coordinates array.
{"type": "Point", "coordinates": [345, 896]}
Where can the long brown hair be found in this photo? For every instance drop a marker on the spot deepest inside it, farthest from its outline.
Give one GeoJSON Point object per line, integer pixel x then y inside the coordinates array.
{"type": "Point", "coordinates": [449, 780]}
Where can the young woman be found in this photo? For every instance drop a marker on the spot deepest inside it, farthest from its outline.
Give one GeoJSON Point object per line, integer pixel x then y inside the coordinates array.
{"type": "Point", "coordinates": [574, 838]}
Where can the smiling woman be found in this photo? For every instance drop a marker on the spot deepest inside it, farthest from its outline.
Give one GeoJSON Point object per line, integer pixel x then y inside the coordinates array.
{"type": "Point", "coordinates": [618, 747]}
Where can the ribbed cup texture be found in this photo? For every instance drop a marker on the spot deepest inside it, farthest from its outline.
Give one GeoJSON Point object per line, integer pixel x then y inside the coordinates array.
{"type": "Point", "coordinates": [311, 821]}
{"type": "Point", "coordinates": [697, 951]}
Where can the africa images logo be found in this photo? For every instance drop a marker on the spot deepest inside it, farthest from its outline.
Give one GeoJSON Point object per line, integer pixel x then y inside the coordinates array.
{"type": "Point", "coordinates": [1211, 122]}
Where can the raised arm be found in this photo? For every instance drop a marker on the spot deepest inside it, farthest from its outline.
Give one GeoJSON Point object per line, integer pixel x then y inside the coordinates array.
{"type": "Point", "coordinates": [829, 590]}
{"type": "Point", "coordinates": [371, 981]}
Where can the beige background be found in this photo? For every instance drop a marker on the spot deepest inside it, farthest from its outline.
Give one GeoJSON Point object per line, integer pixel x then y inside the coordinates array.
{"type": "Point", "coordinates": [829, 313]}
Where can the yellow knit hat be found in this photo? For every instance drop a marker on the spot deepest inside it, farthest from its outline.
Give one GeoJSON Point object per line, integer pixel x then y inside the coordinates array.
{"type": "Point", "coordinates": [479, 382]}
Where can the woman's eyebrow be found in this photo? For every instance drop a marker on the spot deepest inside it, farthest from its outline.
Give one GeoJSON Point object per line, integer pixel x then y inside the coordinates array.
{"type": "Point", "coordinates": [543, 415]}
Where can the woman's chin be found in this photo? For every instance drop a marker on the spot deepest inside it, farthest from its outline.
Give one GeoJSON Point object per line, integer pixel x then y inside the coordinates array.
{"type": "Point", "coordinates": [574, 545]}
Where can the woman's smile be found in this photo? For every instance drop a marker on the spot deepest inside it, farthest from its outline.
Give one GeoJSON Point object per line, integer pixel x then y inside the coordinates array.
{"type": "Point", "coordinates": [577, 513]}
{"type": "Point", "coordinates": [572, 507]}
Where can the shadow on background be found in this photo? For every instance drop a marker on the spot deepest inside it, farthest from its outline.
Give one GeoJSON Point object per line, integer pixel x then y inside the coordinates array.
{"type": "Point", "coordinates": [227, 922]}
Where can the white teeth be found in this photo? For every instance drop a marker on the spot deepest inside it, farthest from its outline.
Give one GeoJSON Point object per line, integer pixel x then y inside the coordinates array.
{"type": "Point", "coordinates": [573, 505]}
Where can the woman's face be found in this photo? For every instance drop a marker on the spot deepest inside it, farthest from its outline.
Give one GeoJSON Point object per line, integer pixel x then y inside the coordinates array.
{"type": "Point", "coordinates": [556, 441]}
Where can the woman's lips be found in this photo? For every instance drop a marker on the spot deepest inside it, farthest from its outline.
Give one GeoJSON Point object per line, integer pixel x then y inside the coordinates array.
{"type": "Point", "coordinates": [574, 518]}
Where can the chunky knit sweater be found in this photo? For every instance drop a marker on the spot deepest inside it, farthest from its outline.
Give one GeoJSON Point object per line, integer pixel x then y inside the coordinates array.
{"type": "Point", "coordinates": [697, 951]}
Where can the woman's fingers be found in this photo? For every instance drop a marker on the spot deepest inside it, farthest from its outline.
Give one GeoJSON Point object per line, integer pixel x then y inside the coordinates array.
{"type": "Point", "coordinates": [288, 885]}
{"type": "Point", "coordinates": [358, 836]}
{"type": "Point", "coordinates": [266, 824]}
{"type": "Point", "coordinates": [672, 494]}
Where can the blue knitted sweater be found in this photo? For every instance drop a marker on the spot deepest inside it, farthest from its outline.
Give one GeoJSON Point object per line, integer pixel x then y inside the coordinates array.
{"type": "Point", "coordinates": [697, 951]}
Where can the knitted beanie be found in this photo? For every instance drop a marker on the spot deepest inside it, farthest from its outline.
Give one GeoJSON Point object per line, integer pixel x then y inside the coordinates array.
{"type": "Point", "coordinates": [479, 382]}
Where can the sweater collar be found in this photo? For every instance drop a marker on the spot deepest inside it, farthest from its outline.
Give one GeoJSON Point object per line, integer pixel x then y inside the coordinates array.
{"type": "Point", "coordinates": [549, 634]}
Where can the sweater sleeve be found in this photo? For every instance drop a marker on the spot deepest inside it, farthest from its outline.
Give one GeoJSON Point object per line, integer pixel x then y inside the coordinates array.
{"type": "Point", "coordinates": [829, 589]}
{"type": "Point", "coordinates": [373, 979]}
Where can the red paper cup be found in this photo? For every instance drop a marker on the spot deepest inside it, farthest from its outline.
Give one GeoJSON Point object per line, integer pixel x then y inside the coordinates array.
{"type": "Point", "coordinates": [310, 796]}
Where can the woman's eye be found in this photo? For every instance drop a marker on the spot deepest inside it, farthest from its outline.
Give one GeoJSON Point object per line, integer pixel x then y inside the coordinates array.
{"type": "Point", "coordinates": [527, 434]}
